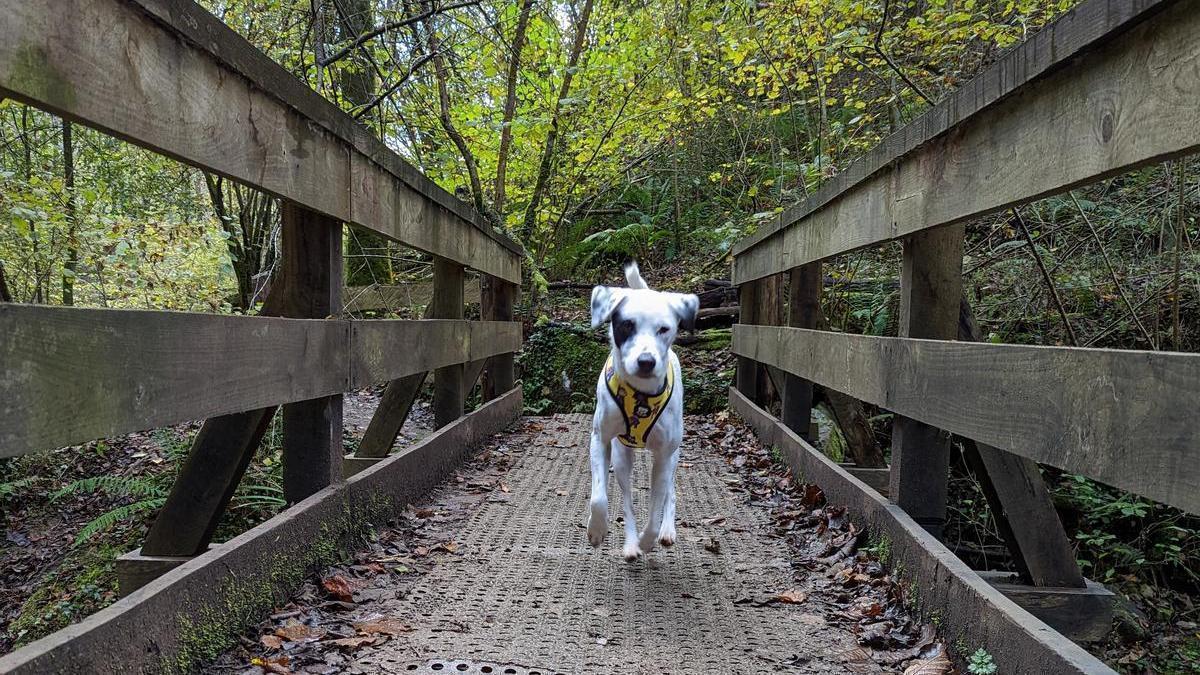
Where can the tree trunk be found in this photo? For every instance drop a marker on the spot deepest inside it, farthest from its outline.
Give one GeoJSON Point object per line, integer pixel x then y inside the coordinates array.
{"type": "Point", "coordinates": [547, 163]}
{"type": "Point", "coordinates": [68, 277]}
{"type": "Point", "coordinates": [367, 252]}
{"type": "Point", "coordinates": [510, 107]}
{"type": "Point", "coordinates": [5, 294]}
{"type": "Point", "coordinates": [440, 74]}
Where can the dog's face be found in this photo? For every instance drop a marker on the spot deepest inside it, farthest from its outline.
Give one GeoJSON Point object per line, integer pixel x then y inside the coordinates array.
{"type": "Point", "coordinates": [643, 326]}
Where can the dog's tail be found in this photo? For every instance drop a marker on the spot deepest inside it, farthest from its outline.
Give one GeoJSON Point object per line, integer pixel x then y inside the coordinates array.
{"type": "Point", "coordinates": [633, 276]}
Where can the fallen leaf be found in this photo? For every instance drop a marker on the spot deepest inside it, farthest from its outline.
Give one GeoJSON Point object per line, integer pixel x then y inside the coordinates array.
{"type": "Point", "coordinates": [338, 588]}
{"type": "Point", "coordinates": [424, 513]}
{"type": "Point", "coordinates": [294, 631]}
{"type": "Point", "coordinates": [354, 642]}
{"type": "Point", "coordinates": [936, 665]}
{"type": "Point", "coordinates": [271, 641]}
{"type": "Point", "coordinates": [792, 597]}
{"type": "Point", "coordinates": [277, 665]}
{"type": "Point", "coordinates": [421, 551]}
{"type": "Point", "coordinates": [384, 626]}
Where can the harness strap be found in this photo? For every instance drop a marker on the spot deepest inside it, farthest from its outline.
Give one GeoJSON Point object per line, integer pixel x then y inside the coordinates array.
{"type": "Point", "coordinates": [639, 410]}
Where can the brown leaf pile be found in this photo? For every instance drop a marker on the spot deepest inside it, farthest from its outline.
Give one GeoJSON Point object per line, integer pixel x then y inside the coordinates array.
{"type": "Point", "coordinates": [826, 541]}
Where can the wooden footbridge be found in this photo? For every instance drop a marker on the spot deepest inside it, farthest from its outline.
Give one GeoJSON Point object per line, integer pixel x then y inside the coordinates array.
{"type": "Point", "coordinates": [1111, 86]}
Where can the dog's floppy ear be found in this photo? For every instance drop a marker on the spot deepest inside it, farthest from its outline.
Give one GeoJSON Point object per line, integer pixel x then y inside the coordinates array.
{"type": "Point", "coordinates": [604, 300]}
{"type": "Point", "coordinates": [685, 306]}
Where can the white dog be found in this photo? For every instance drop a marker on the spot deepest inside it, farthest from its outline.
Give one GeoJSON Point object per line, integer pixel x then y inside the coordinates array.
{"type": "Point", "coordinates": [639, 404]}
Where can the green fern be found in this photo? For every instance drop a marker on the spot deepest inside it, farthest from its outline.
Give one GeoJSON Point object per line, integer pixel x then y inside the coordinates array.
{"type": "Point", "coordinates": [149, 494]}
{"type": "Point", "coordinates": [11, 488]}
{"type": "Point", "coordinates": [107, 520]}
{"type": "Point", "coordinates": [114, 486]}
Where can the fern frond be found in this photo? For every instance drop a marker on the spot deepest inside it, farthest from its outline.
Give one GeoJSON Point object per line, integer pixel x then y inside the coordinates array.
{"type": "Point", "coordinates": [13, 487]}
{"type": "Point", "coordinates": [106, 520]}
{"type": "Point", "coordinates": [116, 486]}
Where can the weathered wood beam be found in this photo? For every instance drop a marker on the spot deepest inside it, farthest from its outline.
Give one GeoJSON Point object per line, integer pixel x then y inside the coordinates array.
{"type": "Point", "coordinates": [748, 372]}
{"type": "Point", "coordinates": [930, 290]}
{"type": "Point", "coordinates": [1020, 503]}
{"type": "Point", "coordinates": [195, 90]}
{"type": "Point", "coordinates": [1082, 613]}
{"type": "Point", "coordinates": [311, 280]}
{"type": "Point", "coordinates": [218, 459]}
{"type": "Point", "coordinates": [1029, 127]}
{"type": "Point", "coordinates": [449, 390]}
{"type": "Point", "coordinates": [804, 306]}
{"type": "Point", "coordinates": [72, 375]}
{"type": "Point", "coordinates": [496, 304]}
{"type": "Point", "coordinates": [1095, 412]}
{"type": "Point", "coordinates": [385, 350]}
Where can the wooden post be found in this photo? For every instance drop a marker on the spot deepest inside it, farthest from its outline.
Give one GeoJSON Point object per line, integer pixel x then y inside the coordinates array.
{"type": "Point", "coordinates": [804, 301]}
{"type": "Point", "coordinates": [449, 390]}
{"type": "Point", "coordinates": [747, 369]}
{"type": "Point", "coordinates": [769, 312]}
{"type": "Point", "coordinates": [312, 278]}
{"type": "Point", "coordinates": [930, 290]}
{"type": "Point", "coordinates": [496, 304]}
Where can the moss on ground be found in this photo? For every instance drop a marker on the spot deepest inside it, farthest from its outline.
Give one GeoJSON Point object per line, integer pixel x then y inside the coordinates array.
{"type": "Point", "coordinates": [560, 363]}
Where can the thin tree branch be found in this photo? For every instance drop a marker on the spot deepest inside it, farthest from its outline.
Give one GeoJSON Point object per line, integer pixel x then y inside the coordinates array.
{"type": "Point", "coordinates": [1113, 273]}
{"type": "Point", "coordinates": [887, 4]}
{"type": "Point", "coordinates": [393, 25]}
{"type": "Point", "coordinates": [1062, 312]}
{"type": "Point", "coordinates": [395, 85]}
{"type": "Point", "coordinates": [1180, 235]}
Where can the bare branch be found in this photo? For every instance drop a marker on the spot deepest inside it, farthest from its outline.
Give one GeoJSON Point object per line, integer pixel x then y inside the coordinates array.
{"type": "Point", "coordinates": [393, 25]}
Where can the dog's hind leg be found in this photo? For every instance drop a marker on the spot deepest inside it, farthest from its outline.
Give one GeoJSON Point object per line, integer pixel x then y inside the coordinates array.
{"type": "Point", "coordinates": [661, 485]}
{"type": "Point", "coordinates": [598, 504]}
{"type": "Point", "coordinates": [623, 468]}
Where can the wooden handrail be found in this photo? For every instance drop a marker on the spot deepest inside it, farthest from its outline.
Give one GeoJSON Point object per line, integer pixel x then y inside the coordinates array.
{"type": "Point", "coordinates": [1122, 417]}
{"type": "Point", "coordinates": [1027, 127]}
{"type": "Point", "coordinates": [72, 375]}
{"type": "Point", "coordinates": [169, 76]}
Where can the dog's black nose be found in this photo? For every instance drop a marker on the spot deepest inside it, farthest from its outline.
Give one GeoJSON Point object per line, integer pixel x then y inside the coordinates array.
{"type": "Point", "coordinates": [646, 363]}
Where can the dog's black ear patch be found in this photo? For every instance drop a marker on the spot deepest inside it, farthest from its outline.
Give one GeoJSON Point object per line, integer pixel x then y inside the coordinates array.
{"type": "Point", "coordinates": [623, 328]}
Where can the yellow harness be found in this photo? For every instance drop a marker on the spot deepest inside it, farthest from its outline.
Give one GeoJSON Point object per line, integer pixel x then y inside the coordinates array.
{"type": "Point", "coordinates": [640, 410]}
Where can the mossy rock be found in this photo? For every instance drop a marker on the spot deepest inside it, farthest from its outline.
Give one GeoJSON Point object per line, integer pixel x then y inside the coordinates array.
{"type": "Point", "coordinates": [554, 349]}
{"type": "Point", "coordinates": [574, 349]}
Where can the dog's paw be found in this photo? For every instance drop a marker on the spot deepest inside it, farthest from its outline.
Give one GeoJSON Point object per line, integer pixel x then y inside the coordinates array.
{"type": "Point", "coordinates": [666, 536]}
{"type": "Point", "coordinates": [648, 541]}
{"type": "Point", "coordinates": [631, 551]}
{"type": "Point", "coordinates": [597, 523]}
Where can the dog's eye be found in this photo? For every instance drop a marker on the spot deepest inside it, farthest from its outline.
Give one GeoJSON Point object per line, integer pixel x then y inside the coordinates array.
{"type": "Point", "coordinates": [627, 326]}
{"type": "Point", "coordinates": [663, 330]}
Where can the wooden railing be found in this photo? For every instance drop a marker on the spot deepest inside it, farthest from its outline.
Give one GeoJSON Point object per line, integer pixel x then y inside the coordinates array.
{"type": "Point", "coordinates": [166, 75]}
{"type": "Point", "coordinates": [1108, 88]}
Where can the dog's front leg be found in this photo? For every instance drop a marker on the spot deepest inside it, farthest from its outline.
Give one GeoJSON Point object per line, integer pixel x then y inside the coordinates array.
{"type": "Point", "coordinates": [661, 486]}
{"type": "Point", "coordinates": [598, 505]}
{"type": "Point", "coordinates": [623, 468]}
{"type": "Point", "coordinates": [666, 531]}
